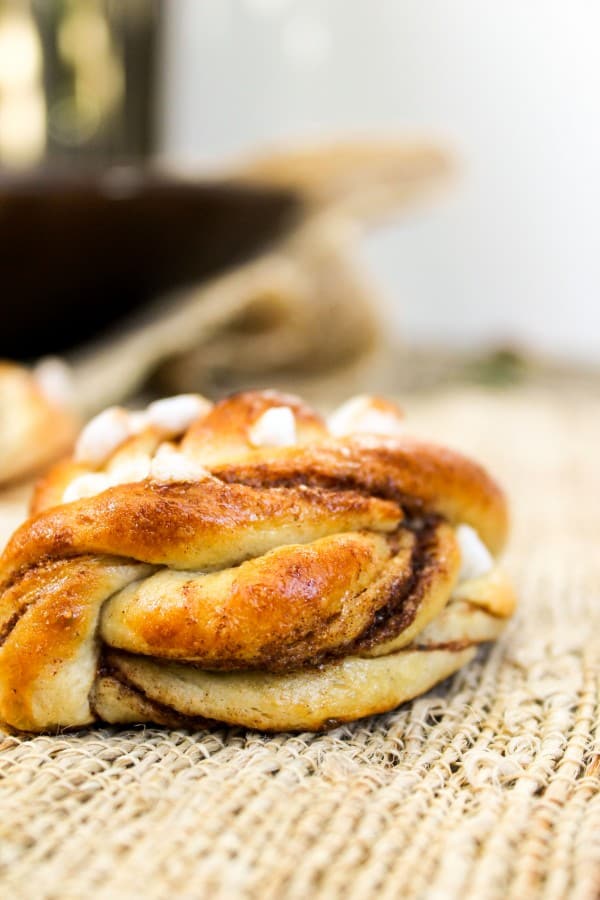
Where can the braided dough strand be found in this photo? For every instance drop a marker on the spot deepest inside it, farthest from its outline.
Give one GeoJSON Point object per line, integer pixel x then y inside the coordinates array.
{"type": "Point", "coordinates": [240, 563]}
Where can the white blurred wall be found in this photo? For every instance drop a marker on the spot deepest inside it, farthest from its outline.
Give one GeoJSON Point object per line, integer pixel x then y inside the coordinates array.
{"type": "Point", "coordinates": [512, 253]}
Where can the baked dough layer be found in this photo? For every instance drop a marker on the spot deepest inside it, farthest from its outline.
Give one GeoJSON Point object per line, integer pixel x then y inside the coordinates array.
{"type": "Point", "coordinates": [276, 587]}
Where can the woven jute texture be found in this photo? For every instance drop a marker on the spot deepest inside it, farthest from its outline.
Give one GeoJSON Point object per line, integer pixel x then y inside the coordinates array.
{"type": "Point", "coordinates": [487, 787]}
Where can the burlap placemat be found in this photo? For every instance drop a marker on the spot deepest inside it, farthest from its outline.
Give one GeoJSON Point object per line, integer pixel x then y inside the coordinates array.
{"type": "Point", "coordinates": [485, 788]}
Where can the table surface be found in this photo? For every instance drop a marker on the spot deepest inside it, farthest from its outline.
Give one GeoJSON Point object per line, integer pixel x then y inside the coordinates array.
{"type": "Point", "coordinates": [487, 787]}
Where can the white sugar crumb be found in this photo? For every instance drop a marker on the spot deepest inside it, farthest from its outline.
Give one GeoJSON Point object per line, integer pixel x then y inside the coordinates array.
{"type": "Point", "coordinates": [87, 485]}
{"type": "Point", "coordinates": [275, 428]}
{"type": "Point", "coordinates": [476, 559]}
{"type": "Point", "coordinates": [127, 471]}
{"type": "Point", "coordinates": [108, 430]}
{"type": "Point", "coordinates": [55, 380]}
{"type": "Point", "coordinates": [138, 420]}
{"type": "Point", "coordinates": [132, 468]}
{"type": "Point", "coordinates": [174, 415]}
{"type": "Point", "coordinates": [171, 464]}
{"type": "Point", "coordinates": [365, 414]}
{"type": "Point", "coordinates": [102, 435]}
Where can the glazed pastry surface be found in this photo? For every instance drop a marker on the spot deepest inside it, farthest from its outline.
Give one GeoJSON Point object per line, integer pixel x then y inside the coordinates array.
{"type": "Point", "coordinates": [250, 563]}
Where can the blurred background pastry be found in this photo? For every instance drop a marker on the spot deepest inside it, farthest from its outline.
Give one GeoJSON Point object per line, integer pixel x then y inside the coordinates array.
{"type": "Point", "coordinates": [38, 424]}
{"type": "Point", "coordinates": [37, 420]}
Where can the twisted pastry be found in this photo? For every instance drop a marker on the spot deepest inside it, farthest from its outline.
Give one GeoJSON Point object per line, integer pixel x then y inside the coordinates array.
{"type": "Point", "coordinates": [36, 425]}
{"type": "Point", "coordinates": [247, 563]}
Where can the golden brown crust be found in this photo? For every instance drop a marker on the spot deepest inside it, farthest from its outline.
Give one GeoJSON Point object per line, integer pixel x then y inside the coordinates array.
{"type": "Point", "coordinates": [285, 608]}
{"type": "Point", "coordinates": [48, 655]}
{"type": "Point", "coordinates": [292, 607]}
{"type": "Point", "coordinates": [280, 569]}
{"type": "Point", "coordinates": [223, 433]}
{"type": "Point", "coordinates": [421, 477]}
{"type": "Point", "coordinates": [200, 525]}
